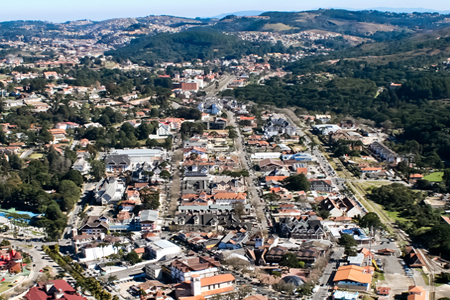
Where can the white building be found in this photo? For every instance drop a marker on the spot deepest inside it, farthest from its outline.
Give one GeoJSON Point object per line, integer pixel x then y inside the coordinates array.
{"type": "Point", "coordinates": [161, 248]}
{"type": "Point", "coordinates": [264, 155]}
{"type": "Point", "coordinates": [94, 253]}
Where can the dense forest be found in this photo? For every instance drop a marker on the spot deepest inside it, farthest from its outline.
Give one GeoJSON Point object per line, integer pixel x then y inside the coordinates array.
{"type": "Point", "coordinates": [192, 45]}
{"type": "Point", "coordinates": [356, 88]}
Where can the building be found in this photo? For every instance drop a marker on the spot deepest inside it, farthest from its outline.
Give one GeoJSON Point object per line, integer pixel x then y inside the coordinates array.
{"type": "Point", "coordinates": [184, 269]}
{"type": "Point", "coordinates": [200, 288]}
{"type": "Point", "coordinates": [162, 248]}
{"type": "Point", "coordinates": [417, 293]}
{"type": "Point", "coordinates": [139, 156]}
{"type": "Point", "coordinates": [95, 226]}
{"type": "Point", "coordinates": [109, 190]}
{"type": "Point", "coordinates": [116, 163]}
{"type": "Point", "coordinates": [321, 185]}
{"type": "Point", "coordinates": [341, 207]}
{"type": "Point", "coordinates": [54, 289]}
{"type": "Point", "coordinates": [149, 220]}
{"type": "Point", "coordinates": [385, 153]}
{"type": "Point", "coordinates": [353, 277]}
{"type": "Point", "coordinates": [81, 165]}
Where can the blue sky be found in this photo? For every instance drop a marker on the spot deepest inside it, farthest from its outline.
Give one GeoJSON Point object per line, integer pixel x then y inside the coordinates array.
{"type": "Point", "coordinates": [63, 10]}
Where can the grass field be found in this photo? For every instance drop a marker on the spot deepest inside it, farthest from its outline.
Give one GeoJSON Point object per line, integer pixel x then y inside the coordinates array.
{"type": "Point", "coordinates": [434, 177]}
{"type": "Point", "coordinates": [36, 155]}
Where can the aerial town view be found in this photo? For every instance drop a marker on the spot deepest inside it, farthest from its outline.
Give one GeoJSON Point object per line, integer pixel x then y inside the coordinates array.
{"type": "Point", "coordinates": [292, 153]}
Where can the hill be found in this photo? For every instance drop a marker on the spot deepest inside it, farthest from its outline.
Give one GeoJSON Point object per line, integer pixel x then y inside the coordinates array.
{"type": "Point", "coordinates": [374, 24]}
{"type": "Point", "coordinates": [190, 45]}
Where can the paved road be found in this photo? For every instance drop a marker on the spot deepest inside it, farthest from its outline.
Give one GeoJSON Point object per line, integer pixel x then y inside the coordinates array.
{"type": "Point", "coordinates": [223, 83]}
{"type": "Point", "coordinates": [255, 200]}
{"type": "Point", "coordinates": [326, 281]}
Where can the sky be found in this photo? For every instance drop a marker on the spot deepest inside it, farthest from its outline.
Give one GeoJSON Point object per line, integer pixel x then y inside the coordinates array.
{"type": "Point", "coordinates": [65, 10]}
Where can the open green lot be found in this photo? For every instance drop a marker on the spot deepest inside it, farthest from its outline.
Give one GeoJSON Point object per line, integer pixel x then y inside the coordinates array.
{"type": "Point", "coordinates": [434, 177]}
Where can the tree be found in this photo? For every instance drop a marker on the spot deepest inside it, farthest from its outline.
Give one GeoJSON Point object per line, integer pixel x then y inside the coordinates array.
{"type": "Point", "coordinates": [70, 194]}
{"type": "Point", "coordinates": [371, 220]}
{"type": "Point", "coordinates": [283, 286]}
{"type": "Point", "coordinates": [271, 197]}
{"type": "Point", "coordinates": [5, 243]}
{"type": "Point", "coordinates": [297, 183]}
{"type": "Point", "coordinates": [290, 260]}
{"type": "Point", "coordinates": [75, 176]}
{"type": "Point", "coordinates": [132, 257]}
{"type": "Point", "coordinates": [349, 244]}
{"type": "Point", "coordinates": [150, 199]}
{"type": "Point", "coordinates": [165, 175]}
{"type": "Point", "coordinates": [239, 208]}
{"type": "Point", "coordinates": [97, 169]}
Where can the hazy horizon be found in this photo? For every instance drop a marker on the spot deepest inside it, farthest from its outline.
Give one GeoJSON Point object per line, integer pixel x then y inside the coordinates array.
{"type": "Point", "coordinates": [69, 10]}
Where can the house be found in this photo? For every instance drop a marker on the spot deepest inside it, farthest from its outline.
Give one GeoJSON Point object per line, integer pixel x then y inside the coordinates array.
{"type": "Point", "coordinates": [383, 291]}
{"type": "Point", "coordinates": [163, 129]}
{"type": "Point", "coordinates": [269, 164]}
{"type": "Point", "coordinates": [95, 226]}
{"type": "Point", "coordinates": [200, 288]}
{"type": "Point", "coordinates": [109, 190]}
{"type": "Point", "coordinates": [321, 185]}
{"type": "Point", "coordinates": [226, 198]}
{"type": "Point", "coordinates": [11, 260]}
{"type": "Point", "coordinates": [341, 207]}
{"type": "Point", "coordinates": [203, 266]}
{"type": "Point", "coordinates": [414, 258]}
{"type": "Point", "coordinates": [154, 290]}
{"type": "Point", "coordinates": [353, 277]}
{"type": "Point", "coordinates": [149, 220]}
{"type": "Point", "coordinates": [216, 123]}
{"type": "Point", "coordinates": [417, 293]}
{"type": "Point", "coordinates": [58, 135]}
{"type": "Point", "coordinates": [66, 125]}
{"type": "Point", "coordinates": [81, 165]}
{"type": "Point", "coordinates": [53, 289]}
{"type": "Point", "coordinates": [304, 228]}
{"type": "Point", "coordinates": [51, 75]}
{"type": "Point", "coordinates": [117, 163]}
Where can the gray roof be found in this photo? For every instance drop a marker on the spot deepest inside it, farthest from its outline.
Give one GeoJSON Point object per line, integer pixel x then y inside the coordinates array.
{"type": "Point", "coordinates": [149, 215]}
{"type": "Point", "coordinates": [117, 159]}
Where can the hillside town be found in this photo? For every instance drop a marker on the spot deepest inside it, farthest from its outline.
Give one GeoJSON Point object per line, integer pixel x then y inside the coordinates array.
{"type": "Point", "coordinates": [125, 181]}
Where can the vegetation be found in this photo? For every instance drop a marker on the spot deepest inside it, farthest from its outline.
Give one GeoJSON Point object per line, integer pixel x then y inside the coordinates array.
{"type": "Point", "coordinates": [349, 244]}
{"type": "Point", "coordinates": [297, 183]}
{"type": "Point", "coordinates": [189, 46]}
{"type": "Point", "coordinates": [290, 260]}
{"type": "Point", "coordinates": [420, 220]}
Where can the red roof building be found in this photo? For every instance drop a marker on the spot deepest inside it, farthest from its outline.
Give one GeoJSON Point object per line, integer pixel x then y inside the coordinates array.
{"type": "Point", "coordinates": [54, 289]}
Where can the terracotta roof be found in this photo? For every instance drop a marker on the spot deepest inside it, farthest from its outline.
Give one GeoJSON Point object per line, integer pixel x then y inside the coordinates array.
{"type": "Point", "coordinates": [446, 219]}
{"type": "Point", "coordinates": [353, 273]}
{"type": "Point", "coordinates": [275, 178]}
{"type": "Point", "coordinates": [216, 279]}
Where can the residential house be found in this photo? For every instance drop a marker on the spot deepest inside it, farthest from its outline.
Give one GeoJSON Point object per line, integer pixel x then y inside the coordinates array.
{"type": "Point", "coordinates": [109, 190]}
{"type": "Point", "coordinates": [95, 226]}
{"type": "Point", "coordinates": [417, 293]}
{"type": "Point", "coordinates": [341, 207]}
{"type": "Point", "coordinates": [53, 290]}
{"type": "Point", "coordinates": [321, 185]}
{"type": "Point", "coordinates": [203, 266]}
{"type": "Point", "coordinates": [353, 277]}
{"type": "Point", "coordinates": [117, 163]}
